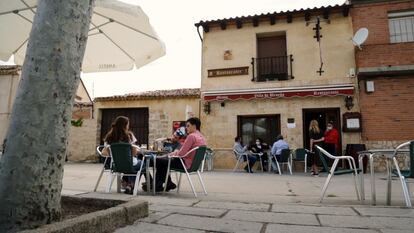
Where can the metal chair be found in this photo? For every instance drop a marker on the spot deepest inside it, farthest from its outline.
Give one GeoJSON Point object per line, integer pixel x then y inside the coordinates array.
{"type": "Point", "coordinates": [209, 159]}
{"type": "Point", "coordinates": [122, 164]}
{"type": "Point", "coordinates": [200, 153]}
{"type": "Point", "coordinates": [284, 158]}
{"type": "Point", "coordinates": [240, 159]}
{"type": "Point", "coordinates": [332, 171]}
{"type": "Point", "coordinates": [260, 159]}
{"type": "Point", "coordinates": [301, 155]}
{"type": "Point", "coordinates": [404, 174]}
{"type": "Point", "coordinates": [105, 167]}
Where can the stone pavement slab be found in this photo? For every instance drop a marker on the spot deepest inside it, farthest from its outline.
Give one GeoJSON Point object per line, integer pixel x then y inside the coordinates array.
{"type": "Point", "coordinates": [395, 231]}
{"type": "Point", "coordinates": [270, 217]}
{"type": "Point", "coordinates": [233, 205]}
{"type": "Point", "coordinates": [148, 228]}
{"type": "Point", "coordinates": [154, 216]}
{"type": "Point", "coordinates": [270, 203]}
{"type": "Point", "coordinates": [161, 199]}
{"type": "Point", "coordinates": [367, 222]}
{"type": "Point", "coordinates": [312, 209]}
{"type": "Point", "coordinates": [276, 228]}
{"type": "Point", "coordinates": [380, 211]}
{"type": "Point", "coordinates": [194, 211]}
{"type": "Point", "coordinates": [211, 224]}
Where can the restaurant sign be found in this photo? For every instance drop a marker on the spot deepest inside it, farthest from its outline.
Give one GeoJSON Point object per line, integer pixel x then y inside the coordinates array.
{"type": "Point", "coordinates": [276, 94]}
{"type": "Point", "coordinates": [228, 72]}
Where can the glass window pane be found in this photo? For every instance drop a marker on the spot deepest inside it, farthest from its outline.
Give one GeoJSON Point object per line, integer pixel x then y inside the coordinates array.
{"type": "Point", "coordinates": [265, 127]}
{"type": "Point", "coordinates": [401, 29]}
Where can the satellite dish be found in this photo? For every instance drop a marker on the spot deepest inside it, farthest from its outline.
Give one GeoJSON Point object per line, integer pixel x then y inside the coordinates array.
{"type": "Point", "coordinates": [360, 37]}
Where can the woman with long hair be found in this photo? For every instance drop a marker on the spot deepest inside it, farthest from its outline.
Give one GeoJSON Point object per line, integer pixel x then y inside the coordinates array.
{"type": "Point", "coordinates": [316, 138]}
{"type": "Point", "coordinates": [119, 132]}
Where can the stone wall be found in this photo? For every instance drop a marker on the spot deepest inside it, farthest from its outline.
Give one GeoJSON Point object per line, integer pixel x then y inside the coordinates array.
{"type": "Point", "coordinates": [82, 142]}
{"type": "Point", "coordinates": [159, 124]}
{"type": "Point", "coordinates": [379, 162]}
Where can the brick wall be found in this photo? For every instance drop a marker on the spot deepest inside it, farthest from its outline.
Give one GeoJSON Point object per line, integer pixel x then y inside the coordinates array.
{"type": "Point", "coordinates": [377, 50]}
{"type": "Point", "coordinates": [388, 112]}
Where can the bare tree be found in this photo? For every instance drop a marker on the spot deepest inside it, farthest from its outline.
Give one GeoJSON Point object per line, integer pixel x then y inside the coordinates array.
{"type": "Point", "coordinates": [31, 168]}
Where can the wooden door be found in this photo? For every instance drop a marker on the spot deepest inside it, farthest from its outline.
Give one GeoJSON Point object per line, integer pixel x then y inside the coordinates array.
{"type": "Point", "coordinates": [272, 62]}
{"type": "Point", "coordinates": [138, 122]}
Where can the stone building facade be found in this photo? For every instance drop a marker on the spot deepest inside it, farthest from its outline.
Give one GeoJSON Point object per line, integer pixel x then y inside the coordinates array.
{"type": "Point", "coordinates": [386, 70]}
{"type": "Point", "coordinates": [80, 147]}
{"type": "Point", "coordinates": [253, 89]}
{"type": "Point", "coordinates": [152, 114]}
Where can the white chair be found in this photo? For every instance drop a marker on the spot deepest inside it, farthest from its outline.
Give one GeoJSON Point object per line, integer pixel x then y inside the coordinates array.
{"type": "Point", "coordinates": [209, 159]}
{"type": "Point", "coordinates": [332, 171]}
{"type": "Point", "coordinates": [260, 159]}
{"type": "Point", "coordinates": [240, 159]}
{"type": "Point", "coordinates": [285, 158]}
{"type": "Point", "coordinates": [200, 153]}
{"type": "Point", "coordinates": [403, 175]}
{"type": "Point", "coordinates": [105, 168]}
{"type": "Point", "coordinates": [121, 164]}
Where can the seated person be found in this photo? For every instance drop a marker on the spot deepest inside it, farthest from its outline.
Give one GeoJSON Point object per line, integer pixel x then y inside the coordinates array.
{"type": "Point", "coordinates": [173, 143]}
{"type": "Point", "coordinates": [119, 132]}
{"type": "Point", "coordinates": [258, 149]}
{"type": "Point", "coordinates": [277, 148]}
{"type": "Point", "coordinates": [243, 150]}
{"type": "Point", "coordinates": [194, 139]}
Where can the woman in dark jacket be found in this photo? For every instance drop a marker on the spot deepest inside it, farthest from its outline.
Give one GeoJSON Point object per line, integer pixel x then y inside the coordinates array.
{"type": "Point", "coordinates": [259, 148]}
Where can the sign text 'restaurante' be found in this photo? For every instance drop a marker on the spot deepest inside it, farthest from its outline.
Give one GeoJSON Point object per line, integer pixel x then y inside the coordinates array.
{"type": "Point", "coordinates": [228, 71]}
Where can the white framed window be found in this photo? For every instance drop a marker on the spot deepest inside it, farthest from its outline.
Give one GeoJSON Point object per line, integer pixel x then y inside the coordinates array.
{"type": "Point", "coordinates": [401, 25]}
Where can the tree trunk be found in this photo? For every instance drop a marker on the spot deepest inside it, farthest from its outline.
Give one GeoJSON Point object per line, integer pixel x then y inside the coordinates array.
{"type": "Point", "coordinates": [31, 168]}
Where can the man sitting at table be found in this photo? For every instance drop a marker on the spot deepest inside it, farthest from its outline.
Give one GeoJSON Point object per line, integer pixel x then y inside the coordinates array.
{"type": "Point", "coordinates": [277, 148]}
{"type": "Point", "coordinates": [194, 139]}
{"type": "Point", "coordinates": [173, 143]}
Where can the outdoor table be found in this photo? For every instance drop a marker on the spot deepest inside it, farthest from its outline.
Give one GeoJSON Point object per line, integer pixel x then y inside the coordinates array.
{"type": "Point", "coordinates": [148, 156]}
{"type": "Point", "coordinates": [389, 154]}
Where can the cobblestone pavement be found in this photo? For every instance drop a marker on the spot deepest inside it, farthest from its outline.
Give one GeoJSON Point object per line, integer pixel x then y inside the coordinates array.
{"type": "Point", "coordinates": [241, 202]}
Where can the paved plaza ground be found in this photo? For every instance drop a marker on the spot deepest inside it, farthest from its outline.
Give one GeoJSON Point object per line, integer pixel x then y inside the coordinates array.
{"type": "Point", "coordinates": [258, 202]}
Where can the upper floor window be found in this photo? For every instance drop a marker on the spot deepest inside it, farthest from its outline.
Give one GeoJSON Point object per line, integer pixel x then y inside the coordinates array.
{"type": "Point", "coordinates": [272, 61]}
{"type": "Point", "coordinates": [401, 25]}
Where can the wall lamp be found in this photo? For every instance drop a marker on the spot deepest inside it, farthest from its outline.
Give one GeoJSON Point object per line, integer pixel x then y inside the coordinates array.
{"type": "Point", "coordinates": [349, 102]}
{"type": "Point", "coordinates": [207, 108]}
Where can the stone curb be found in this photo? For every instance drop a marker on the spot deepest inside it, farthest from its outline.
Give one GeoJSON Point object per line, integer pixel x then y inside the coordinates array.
{"type": "Point", "coordinates": [107, 220]}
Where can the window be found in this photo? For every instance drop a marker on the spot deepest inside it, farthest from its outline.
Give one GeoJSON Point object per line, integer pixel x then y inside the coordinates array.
{"type": "Point", "coordinates": [266, 127]}
{"type": "Point", "coordinates": [401, 25]}
{"type": "Point", "coordinates": [272, 61]}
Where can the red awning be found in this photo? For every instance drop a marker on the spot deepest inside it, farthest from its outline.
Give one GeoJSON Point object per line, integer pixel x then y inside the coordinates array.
{"type": "Point", "coordinates": [275, 93]}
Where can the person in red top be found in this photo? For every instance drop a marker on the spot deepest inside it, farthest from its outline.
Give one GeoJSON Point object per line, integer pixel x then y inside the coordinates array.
{"type": "Point", "coordinates": [194, 139]}
{"type": "Point", "coordinates": [331, 139]}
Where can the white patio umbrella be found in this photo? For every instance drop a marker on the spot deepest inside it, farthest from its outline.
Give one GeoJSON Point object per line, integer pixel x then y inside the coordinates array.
{"type": "Point", "coordinates": [120, 35]}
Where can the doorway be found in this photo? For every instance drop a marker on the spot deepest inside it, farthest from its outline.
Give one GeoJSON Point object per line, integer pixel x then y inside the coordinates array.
{"type": "Point", "coordinates": [323, 116]}
{"type": "Point", "coordinates": [138, 122]}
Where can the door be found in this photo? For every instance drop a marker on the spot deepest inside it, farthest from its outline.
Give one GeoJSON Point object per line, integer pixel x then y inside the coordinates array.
{"type": "Point", "coordinates": [323, 116]}
{"type": "Point", "coordinates": [138, 122]}
{"type": "Point", "coordinates": [271, 58]}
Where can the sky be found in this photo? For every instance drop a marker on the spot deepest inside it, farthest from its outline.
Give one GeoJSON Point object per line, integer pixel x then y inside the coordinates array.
{"type": "Point", "coordinates": [174, 23]}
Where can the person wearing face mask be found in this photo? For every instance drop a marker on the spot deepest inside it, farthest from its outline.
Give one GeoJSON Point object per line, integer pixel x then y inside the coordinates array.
{"type": "Point", "coordinates": [259, 148]}
{"type": "Point", "coordinates": [331, 139]}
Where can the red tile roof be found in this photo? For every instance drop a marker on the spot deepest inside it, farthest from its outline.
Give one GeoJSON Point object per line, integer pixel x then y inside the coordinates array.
{"type": "Point", "coordinates": [159, 94]}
